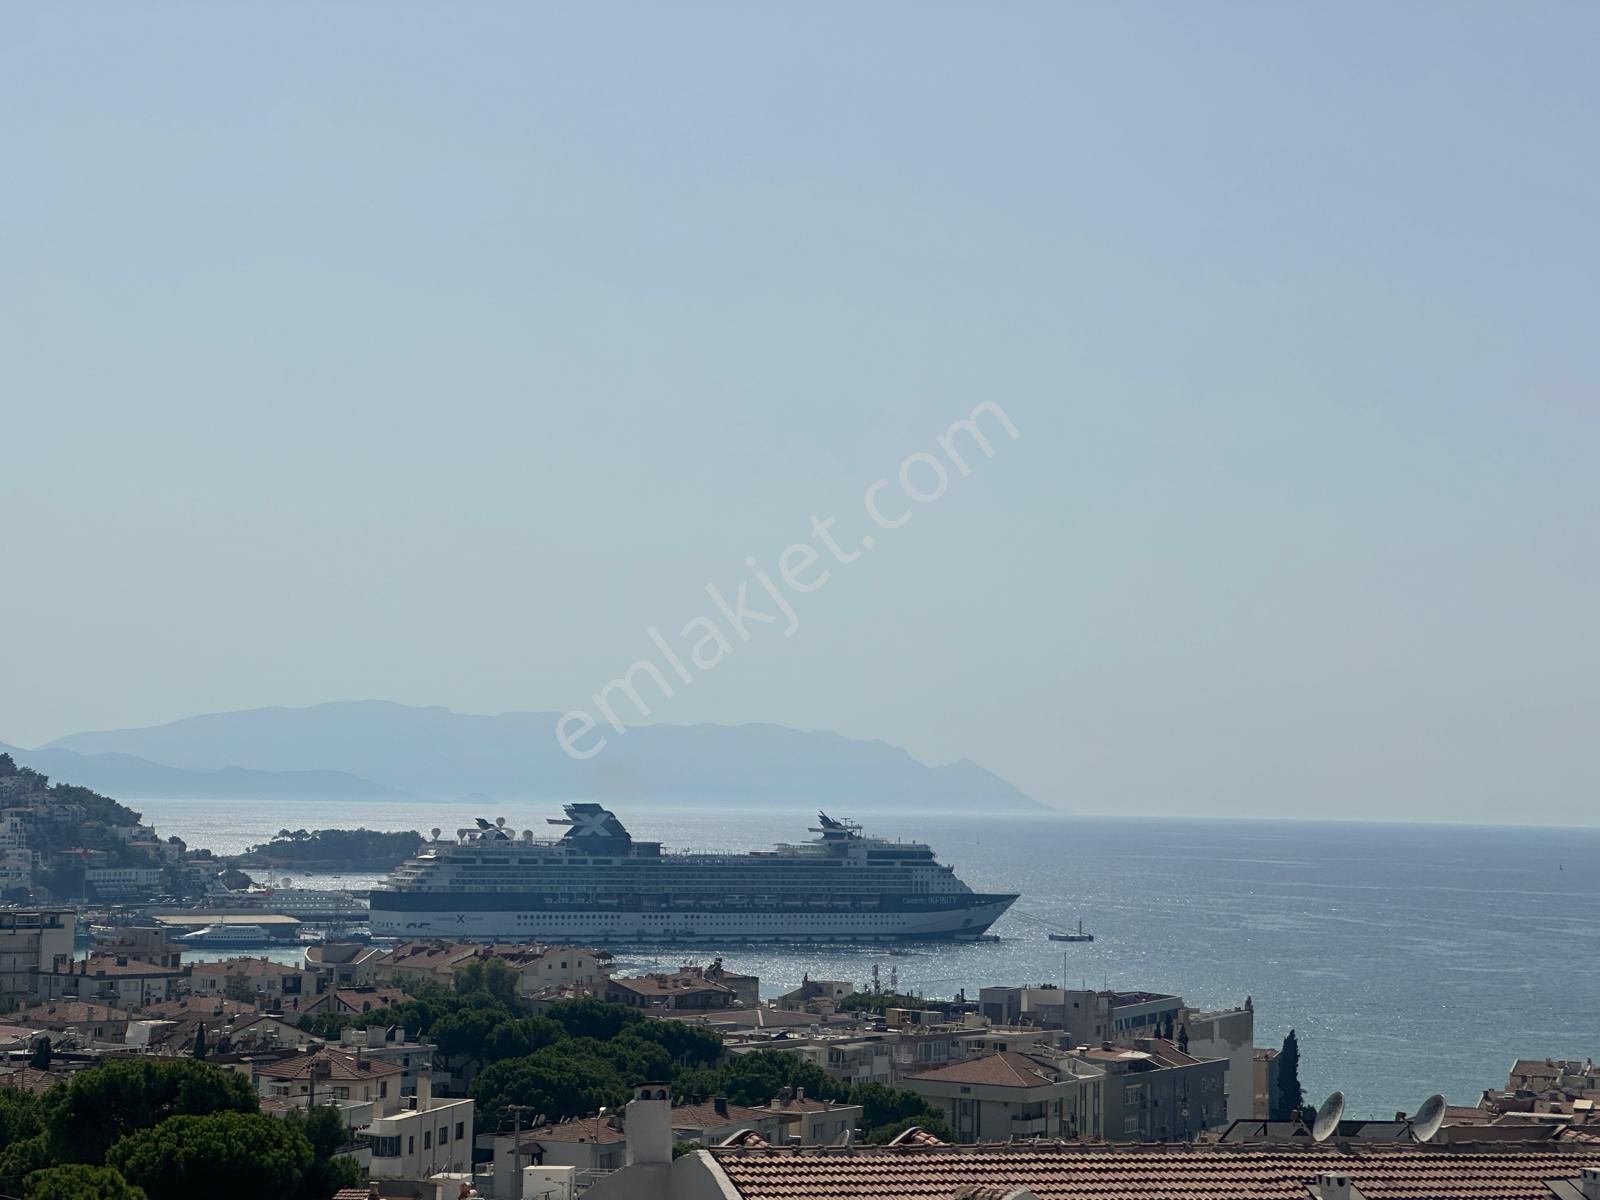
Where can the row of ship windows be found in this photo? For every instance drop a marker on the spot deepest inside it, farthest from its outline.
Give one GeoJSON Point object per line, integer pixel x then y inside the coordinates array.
{"type": "Point", "coordinates": [705, 919]}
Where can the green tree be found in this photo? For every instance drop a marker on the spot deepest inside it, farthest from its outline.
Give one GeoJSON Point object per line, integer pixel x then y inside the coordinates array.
{"type": "Point", "coordinates": [593, 1018]}
{"type": "Point", "coordinates": [39, 1057]}
{"type": "Point", "coordinates": [20, 1159]}
{"type": "Point", "coordinates": [556, 1081]}
{"type": "Point", "coordinates": [877, 1002]}
{"type": "Point", "coordinates": [91, 1110]}
{"type": "Point", "coordinates": [882, 1106]}
{"type": "Point", "coordinates": [1290, 1097]}
{"type": "Point", "coordinates": [77, 1181]}
{"type": "Point", "coordinates": [21, 1116]}
{"type": "Point", "coordinates": [757, 1077]}
{"type": "Point", "coordinates": [252, 1155]}
{"type": "Point", "coordinates": [327, 1132]}
{"type": "Point", "coordinates": [492, 975]}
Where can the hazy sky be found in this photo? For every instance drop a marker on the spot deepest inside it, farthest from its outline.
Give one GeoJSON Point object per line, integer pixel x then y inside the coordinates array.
{"type": "Point", "coordinates": [433, 354]}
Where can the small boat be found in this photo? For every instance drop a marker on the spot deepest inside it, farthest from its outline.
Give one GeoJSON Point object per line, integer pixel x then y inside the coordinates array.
{"type": "Point", "coordinates": [1073, 936]}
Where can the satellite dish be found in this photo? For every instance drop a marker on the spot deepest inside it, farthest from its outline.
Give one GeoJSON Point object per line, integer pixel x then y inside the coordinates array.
{"type": "Point", "coordinates": [500, 822]}
{"type": "Point", "coordinates": [1328, 1118]}
{"type": "Point", "coordinates": [1428, 1119]}
{"type": "Point", "coordinates": [435, 832]}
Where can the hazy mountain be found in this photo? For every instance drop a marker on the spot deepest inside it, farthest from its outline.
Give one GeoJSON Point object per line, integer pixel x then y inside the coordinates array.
{"type": "Point", "coordinates": [128, 777]}
{"type": "Point", "coordinates": [436, 752]}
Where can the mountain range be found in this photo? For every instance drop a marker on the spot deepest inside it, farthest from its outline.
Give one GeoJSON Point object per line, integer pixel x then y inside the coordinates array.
{"type": "Point", "coordinates": [373, 749]}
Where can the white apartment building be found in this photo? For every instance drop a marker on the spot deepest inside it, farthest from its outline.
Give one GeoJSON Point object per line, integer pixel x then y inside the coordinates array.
{"type": "Point", "coordinates": [425, 1136]}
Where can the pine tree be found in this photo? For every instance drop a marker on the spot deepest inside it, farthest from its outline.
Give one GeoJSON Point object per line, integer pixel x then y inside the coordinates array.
{"type": "Point", "coordinates": [1183, 1038]}
{"type": "Point", "coordinates": [1291, 1097]}
{"type": "Point", "coordinates": [200, 1041]}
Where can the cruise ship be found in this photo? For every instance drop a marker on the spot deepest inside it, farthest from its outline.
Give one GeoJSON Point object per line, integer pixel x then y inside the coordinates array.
{"type": "Point", "coordinates": [596, 884]}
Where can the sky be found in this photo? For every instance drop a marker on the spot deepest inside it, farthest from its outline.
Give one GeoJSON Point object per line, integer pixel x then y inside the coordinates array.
{"type": "Point", "coordinates": [436, 355]}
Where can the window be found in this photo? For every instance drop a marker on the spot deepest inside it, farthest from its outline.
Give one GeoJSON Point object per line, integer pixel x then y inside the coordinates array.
{"type": "Point", "coordinates": [427, 1139]}
{"type": "Point", "coordinates": [411, 1144]}
{"type": "Point", "coordinates": [461, 1130]}
{"type": "Point", "coordinates": [386, 1147]}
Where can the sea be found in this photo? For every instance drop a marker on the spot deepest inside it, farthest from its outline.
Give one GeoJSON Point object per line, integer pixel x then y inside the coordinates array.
{"type": "Point", "coordinates": [1410, 959]}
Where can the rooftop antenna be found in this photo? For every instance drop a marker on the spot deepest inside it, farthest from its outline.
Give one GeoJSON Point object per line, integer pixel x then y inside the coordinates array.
{"type": "Point", "coordinates": [1328, 1118]}
{"type": "Point", "coordinates": [1428, 1119]}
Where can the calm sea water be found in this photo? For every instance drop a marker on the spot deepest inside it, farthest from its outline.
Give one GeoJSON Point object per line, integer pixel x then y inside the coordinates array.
{"type": "Point", "coordinates": [1411, 959]}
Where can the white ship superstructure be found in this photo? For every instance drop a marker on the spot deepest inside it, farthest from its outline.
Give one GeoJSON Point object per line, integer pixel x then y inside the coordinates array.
{"type": "Point", "coordinates": [596, 884]}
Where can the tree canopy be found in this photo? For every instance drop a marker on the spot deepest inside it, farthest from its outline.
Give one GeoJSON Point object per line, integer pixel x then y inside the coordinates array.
{"type": "Point", "coordinates": [76, 1181]}
{"type": "Point", "coordinates": [84, 1115]}
{"type": "Point", "coordinates": [185, 1157]}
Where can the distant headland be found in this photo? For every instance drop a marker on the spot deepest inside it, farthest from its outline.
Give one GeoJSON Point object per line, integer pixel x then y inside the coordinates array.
{"type": "Point", "coordinates": [373, 749]}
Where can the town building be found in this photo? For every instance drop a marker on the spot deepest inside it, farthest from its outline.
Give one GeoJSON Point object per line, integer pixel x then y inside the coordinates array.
{"type": "Point", "coordinates": [999, 1097]}
{"type": "Point", "coordinates": [77, 1018]}
{"type": "Point", "coordinates": [1228, 1034]}
{"type": "Point", "coordinates": [145, 943]}
{"type": "Point", "coordinates": [343, 964]}
{"type": "Point", "coordinates": [110, 979]}
{"type": "Point", "coordinates": [327, 1075]}
{"type": "Point", "coordinates": [817, 995]}
{"type": "Point", "coordinates": [1265, 1076]}
{"type": "Point", "coordinates": [33, 941]}
{"type": "Point", "coordinates": [686, 988]}
{"type": "Point", "coordinates": [1154, 1092]}
{"type": "Point", "coordinates": [809, 1122]}
{"type": "Point", "coordinates": [424, 1136]}
{"type": "Point", "coordinates": [273, 985]}
{"type": "Point", "coordinates": [123, 883]}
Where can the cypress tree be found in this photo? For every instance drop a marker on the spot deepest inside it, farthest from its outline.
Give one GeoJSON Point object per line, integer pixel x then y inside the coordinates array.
{"type": "Point", "coordinates": [1291, 1097]}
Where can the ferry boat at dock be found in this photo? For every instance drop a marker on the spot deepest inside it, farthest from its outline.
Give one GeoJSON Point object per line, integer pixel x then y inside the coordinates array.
{"type": "Point", "coordinates": [597, 884]}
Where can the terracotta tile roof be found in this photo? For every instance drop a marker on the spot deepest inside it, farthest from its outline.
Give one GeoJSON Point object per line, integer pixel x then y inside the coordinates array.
{"type": "Point", "coordinates": [199, 1006]}
{"type": "Point", "coordinates": [1066, 1172]}
{"type": "Point", "coordinates": [58, 1013]}
{"type": "Point", "coordinates": [667, 985]}
{"type": "Point", "coordinates": [360, 1000]}
{"type": "Point", "coordinates": [1006, 1069]}
{"type": "Point", "coordinates": [706, 1116]}
{"type": "Point", "coordinates": [27, 1079]}
{"type": "Point", "coordinates": [249, 968]}
{"type": "Point", "coordinates": [339, 1066]}
{"type": "Point", "coordinates": [579, 1129]}
{"type": "Point", "coordinates": [103, 965]}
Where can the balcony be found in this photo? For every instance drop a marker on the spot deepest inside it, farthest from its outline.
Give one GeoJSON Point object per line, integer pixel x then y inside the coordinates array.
{"type": "Point", "coordinates": [1030, 1127]}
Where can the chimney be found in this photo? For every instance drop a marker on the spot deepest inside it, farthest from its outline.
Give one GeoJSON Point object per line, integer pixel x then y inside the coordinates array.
{"type": "Point", "coordinates": [425, 1088]}
{"type": "Point", "coordinates": [374, 1036]}
{"type": "Point", "coordinates": [800, 1094]}
{"type": "Point", "coordinates": [1590, 1183]}
{"type": "Point", "coordinates": [648, 1126]}
{"type": "Point", "coordinates": [720, 1103]}
{"type": "Point", "coordinates": [1333, 1185]}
